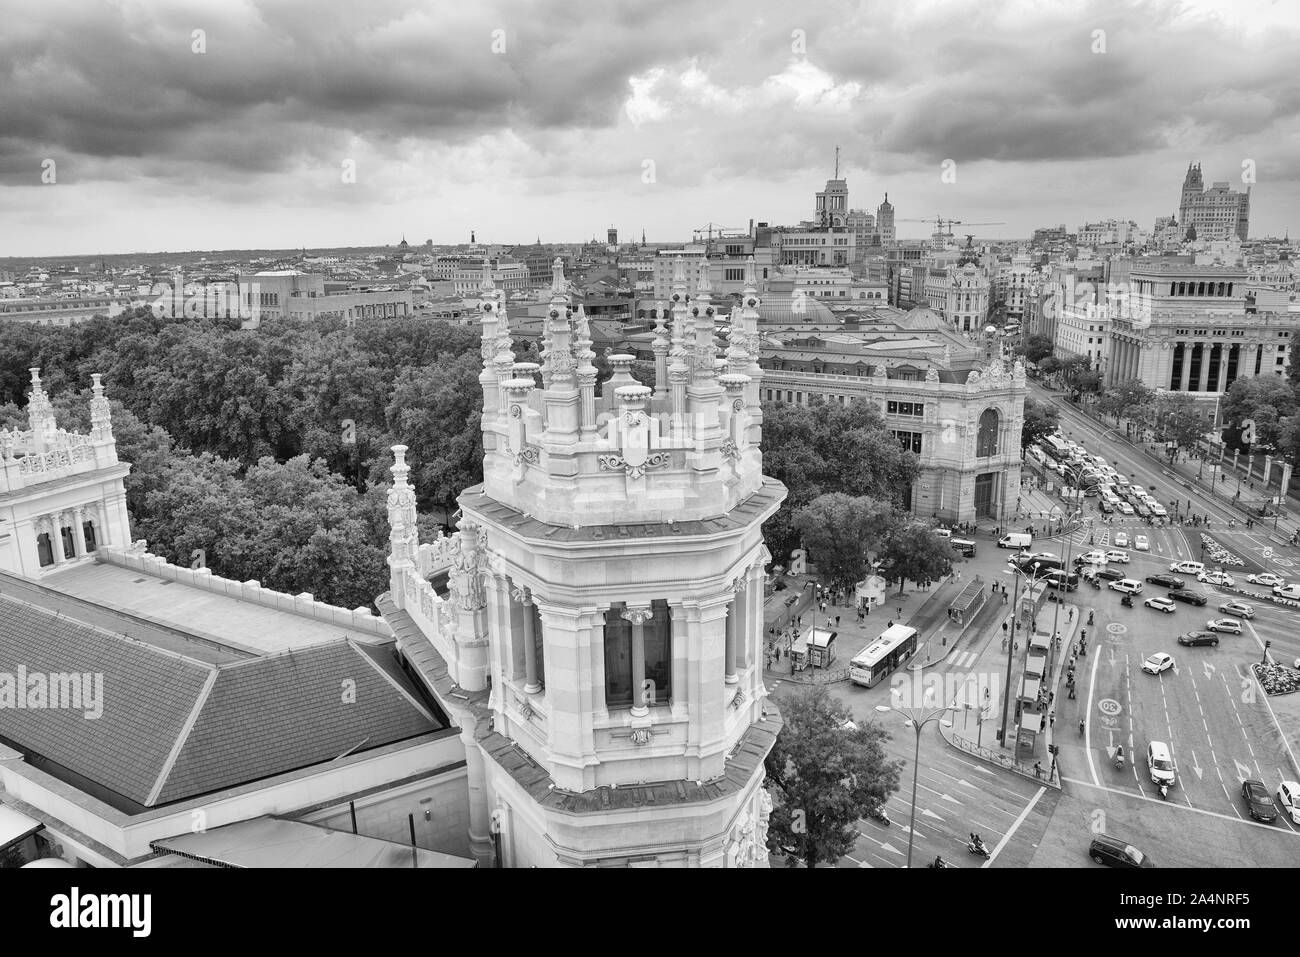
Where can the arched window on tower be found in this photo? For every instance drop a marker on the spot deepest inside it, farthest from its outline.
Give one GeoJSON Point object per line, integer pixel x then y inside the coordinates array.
{"type": "Point", "coordinates": [986, 440]}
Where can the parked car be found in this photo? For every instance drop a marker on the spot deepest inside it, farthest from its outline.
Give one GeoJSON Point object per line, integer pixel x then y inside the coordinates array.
{"type": "Point", "coordinates": [1121, 539]}
{"type": "Point", "coordinates": [1259, 803]}
{"type": "Point", "coordinates": [1166, 581]}
{"type": "Point", "coordinates": [1157, 663]}
{"type": "Point", "coordinates": [1288, 799]}
{"type": "Point", "coordinates": [1238, 609]}
{"type": "Point", "coordinates": [1116, 555]}
{"type": "Point", "coordinates": [1142, 544]}
{"type": "Point", "coordinates": [1195, 639]}
{"type": "Point", "coordinates": [1160, 604]}
{"type": "Point", "coordinates": [1190, 597]}
{"type": "Point", "coordinates": [1113, 852]}
{"type": "Point", "coordinates": [1266, 578]}
{"type": "Point", "coordinates": [1216, 577]}
{"type": "Point", "coordinates": [1229, 626]}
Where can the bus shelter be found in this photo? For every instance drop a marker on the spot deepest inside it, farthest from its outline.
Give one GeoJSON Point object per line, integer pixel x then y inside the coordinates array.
{"type": "Point", "coordinates": [1030, 727]}
{"type": "Point", "coordinates": [814, 648]}
{"type": "Point", "coordinates": [1036, 666]}
{"type": "Point", "coordinates": [1031, 600]}
{"type": "Point", "coordinates": [966, 605]}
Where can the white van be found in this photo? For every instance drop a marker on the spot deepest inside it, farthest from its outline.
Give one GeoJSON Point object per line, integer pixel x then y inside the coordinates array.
{"type": "Point", "coordinates": [1016, 540]}
{"type": "Point", "coordinates": [1130, 586]}
{"type": "Point", "coordinates": [1187, 568]}
{"type": "Point", "coordinates": [943, 532]}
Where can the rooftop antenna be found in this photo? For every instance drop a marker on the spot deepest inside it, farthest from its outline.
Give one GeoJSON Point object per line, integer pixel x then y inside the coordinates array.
{"type": "Point", "coordinates": [837, 162]}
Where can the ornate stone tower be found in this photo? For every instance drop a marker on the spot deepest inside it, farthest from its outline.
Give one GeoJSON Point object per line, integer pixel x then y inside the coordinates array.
{"type": "Point", "coordinates": [607, 578]}
{"type": "Point", "coordinates": [61, 492]}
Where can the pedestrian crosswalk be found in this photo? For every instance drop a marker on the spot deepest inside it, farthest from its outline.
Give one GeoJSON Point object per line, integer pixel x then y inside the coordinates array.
{"type": "Point", "coordinates": [963, 659]}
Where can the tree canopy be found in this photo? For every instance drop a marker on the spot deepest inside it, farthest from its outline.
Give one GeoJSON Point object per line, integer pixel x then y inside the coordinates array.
{"type": "Point", "coordinates": [1041, 418]}
{"type": "Point", "coordinates": [826, 777]}
{"type": "Point", "coordinates": [843, 533]}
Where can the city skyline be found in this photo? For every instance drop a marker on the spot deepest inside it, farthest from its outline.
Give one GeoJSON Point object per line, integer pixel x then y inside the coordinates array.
{"type": "Point", "coordinates": [484, 119]}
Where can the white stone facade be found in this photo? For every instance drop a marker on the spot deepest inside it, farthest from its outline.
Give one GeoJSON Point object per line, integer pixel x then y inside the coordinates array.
{"type": "Point", "coordinates": [61, 493]}
{"type": "Point", "coordinates": [602, 631]}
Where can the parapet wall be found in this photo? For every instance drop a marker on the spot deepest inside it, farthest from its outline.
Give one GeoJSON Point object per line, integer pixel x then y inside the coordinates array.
{"type": "Point", "coordinates": [136, 557]}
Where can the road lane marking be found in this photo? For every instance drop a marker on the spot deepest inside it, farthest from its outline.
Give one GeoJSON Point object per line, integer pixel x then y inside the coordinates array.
{"type": "Point", "coordinates": [1194, 810]}
{"type": "Point", "coordinates": [1015, 826]}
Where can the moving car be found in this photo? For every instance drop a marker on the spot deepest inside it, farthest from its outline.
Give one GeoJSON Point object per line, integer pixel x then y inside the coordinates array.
{"type": "Point", "coordinates": [1238, 609]}
{"type": "Point", "coordinates": [1166, 581]}
{"type": "Point", "coordinates": [1057, 578]}
{"type": "Point", "coordinates": [1159, 511]}
{"type": "Point", "coordinates": [1110, 574]}
{"type": "Point", "coordinates": [1117, 556]}
{"type": "Point", "coordinates": [1229, 626]}
{"type": "Point", "coordinates": [1190, 597]}
{"type": "Point", "coordinates": [1287, 591]}
{"type": "Point", "coordinates": [1259, 803]}
{"type": "Point", "coordinates": [1187, 568]}
{"type": "Point", "coordinates": [1266, 578]}
{"type": "Point", "coordinates": [1160, 764]}
{"type": "Point", "coordinates": [1141, 543]}
{"type": "Point", "coordinates": [1195, 639]}
{"type": "Point", "coordinates": [1288, 799]}
{"type": "Point", "coordinates": [1091, 558]}
{"type": "Point", "coordinates": [1129, 586]}
{"type": "Point", "coordinates": [1016, 540]}
{"type": "Point", "coordinates": [1216, 577]}
{"type": "Point", "coordinates": [1157, 663]}
{"type": "Point", "coordinates": [1106, 506]}
{"type": "Point", "coordinates": [1124, 508]}
{"type": "Point", "coordinates": [1113, 852]}
{"type": "Point", "coordinates": [1121, 539]}
{"type": "Point", "coordinates": [1160, 604]}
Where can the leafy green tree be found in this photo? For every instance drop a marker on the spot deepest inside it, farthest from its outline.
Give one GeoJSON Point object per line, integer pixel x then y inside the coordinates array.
{"type": "Point", "coordinates": [1253, 411]}
{"type": "Point", "coordinates": [1036, 347]}
{"type": "Point", "coordinates": [842, 534]}
{"type": "Point", "coordinates": [825, 777]}
{"type": "Point", "coordinates": [913, 551]}
{"type": "Point", "coordinates": [1077, 373]}
{"type": "Point", "coordinates": [1120, 398]}
{"type": "Point", "coordinates": [1173, 417]}
{"type": "Point", "coordinates": [827, 447]}
{"type": "Point", "coordinates": [1041, 418]}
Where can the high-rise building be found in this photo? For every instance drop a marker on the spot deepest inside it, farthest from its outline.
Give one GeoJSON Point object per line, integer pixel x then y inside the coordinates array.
{"type": "Point", "coordinates": [1215, 213]}
{"type": "Point", "coordinates": [885, 221]}
{"type": "Point", "coordinates": [832, 204]}
{"type": "Point", "coordinates": [600, 646]}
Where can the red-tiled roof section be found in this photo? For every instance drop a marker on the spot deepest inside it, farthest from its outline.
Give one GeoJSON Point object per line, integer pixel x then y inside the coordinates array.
{"type": "Point", "coordinates": [147, 697]}
{"type": "Point", "coordinates": [293, 710]}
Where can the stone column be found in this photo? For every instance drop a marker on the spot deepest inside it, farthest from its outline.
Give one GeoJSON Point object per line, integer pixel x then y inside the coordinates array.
{"type": "Point", "coordinates": [1205, 366]}
{"type": "Point", "coordinates": [1221, 378]}
{"type": "Point", "coordinates": [78, 534]}
{"type": "Point", "coordinates": [56, 537]}
{"type": "Point", "coordinates": [531, 684]}
{"type": "Point", "coordinates": [1185, 376]}
{"type": "Point", "coordinates": [480, 831]}
{"type": "Point", "coordinates": [638, 616]}
{"type": "Point", "coordinates": [729, 675]}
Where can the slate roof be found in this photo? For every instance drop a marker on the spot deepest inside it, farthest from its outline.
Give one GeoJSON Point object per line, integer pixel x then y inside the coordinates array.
{"type": "Point", "coordinates": [226, 724]}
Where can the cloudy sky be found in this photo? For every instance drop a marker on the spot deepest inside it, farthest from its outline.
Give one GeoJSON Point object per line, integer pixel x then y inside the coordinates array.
{"type": "Point", "coordinates": [335, 122]}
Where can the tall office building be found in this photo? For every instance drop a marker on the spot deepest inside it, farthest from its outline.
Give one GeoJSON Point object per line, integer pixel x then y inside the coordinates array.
{"type": "Point", "coordinates": [1215, 213]}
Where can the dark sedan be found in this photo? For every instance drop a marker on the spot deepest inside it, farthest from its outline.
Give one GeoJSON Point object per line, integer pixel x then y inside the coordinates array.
{"type": "Point", "coordinates": [1258, 801]}
{"type": "Point", "coordinates": [1191, 597]}
{"type": "Point", "coordinates": [1166, 581]}
{"type": "Point", "coordinates": [1194, 639]}
{"type": "Point", "coordinates": [1110, 574]}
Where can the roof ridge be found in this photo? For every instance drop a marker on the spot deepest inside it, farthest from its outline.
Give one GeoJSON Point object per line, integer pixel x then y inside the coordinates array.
{"type": "Point", "coordinates": [105, 632]}
{"type": "Point", "coordinates": [415, 703]}
{"type": "Point", "coordinates": [178, 745]}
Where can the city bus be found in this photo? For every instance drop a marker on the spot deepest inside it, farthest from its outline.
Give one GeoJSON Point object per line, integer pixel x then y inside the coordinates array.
{"type": "Point", "coordinates": [894, 646]}
{"type": "Point", "coordinates": [1054, 447]}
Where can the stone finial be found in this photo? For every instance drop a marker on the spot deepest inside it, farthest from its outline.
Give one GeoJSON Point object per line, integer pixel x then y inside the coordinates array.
{"type": "Point", "coordinates": [101, 416]}
{"type": "Point", "coordinates": [487, 286]}
{"type": "Point", "coordinates": [932, 374]}
{"type": "Point", "coordinates": [559, 285]}
{"type": "Point", "coordinates": [40, 414]}
{"type": "Point", "coordinates": [403, 536]}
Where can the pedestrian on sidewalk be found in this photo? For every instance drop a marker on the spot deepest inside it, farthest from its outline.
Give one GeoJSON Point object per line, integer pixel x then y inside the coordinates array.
{"type": "Point", "coordinates": [837, 621]}
{"type": "Point", "coordinates": [1071, 618]}
{"type": "Point", "coordinates": [891, 623]}
{"type": "Point", "coordinates": [1038, 769]}
{"type": "Point", "coordinates": [1004, 597]}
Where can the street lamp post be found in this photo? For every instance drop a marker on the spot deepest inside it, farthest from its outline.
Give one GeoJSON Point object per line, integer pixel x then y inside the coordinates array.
{"type": "Point", "coordinates": [916, 721]}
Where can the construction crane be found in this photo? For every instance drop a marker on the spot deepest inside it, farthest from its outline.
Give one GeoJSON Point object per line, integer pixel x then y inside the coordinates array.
{"type": "Point", "coordinates": [710, 227]}
{"type": "Point", "coordinates": [940, 222]}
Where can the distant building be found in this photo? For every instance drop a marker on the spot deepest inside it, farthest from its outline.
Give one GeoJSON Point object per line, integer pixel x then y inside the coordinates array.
{"type": "Point", "coordinates": [1214, 213]}
{"type": "Point", "coordinates": [59, 312]}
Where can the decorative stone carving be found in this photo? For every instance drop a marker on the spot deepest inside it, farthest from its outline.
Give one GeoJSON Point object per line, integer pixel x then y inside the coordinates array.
{"type": "Point", "coordinates": [616, 463]}
{"type": "Point", "coordinates": [640, 736]}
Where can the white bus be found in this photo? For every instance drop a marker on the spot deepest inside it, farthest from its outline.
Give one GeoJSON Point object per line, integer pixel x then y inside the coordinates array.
{"type": "Point", "coordinates": [894, 646]}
